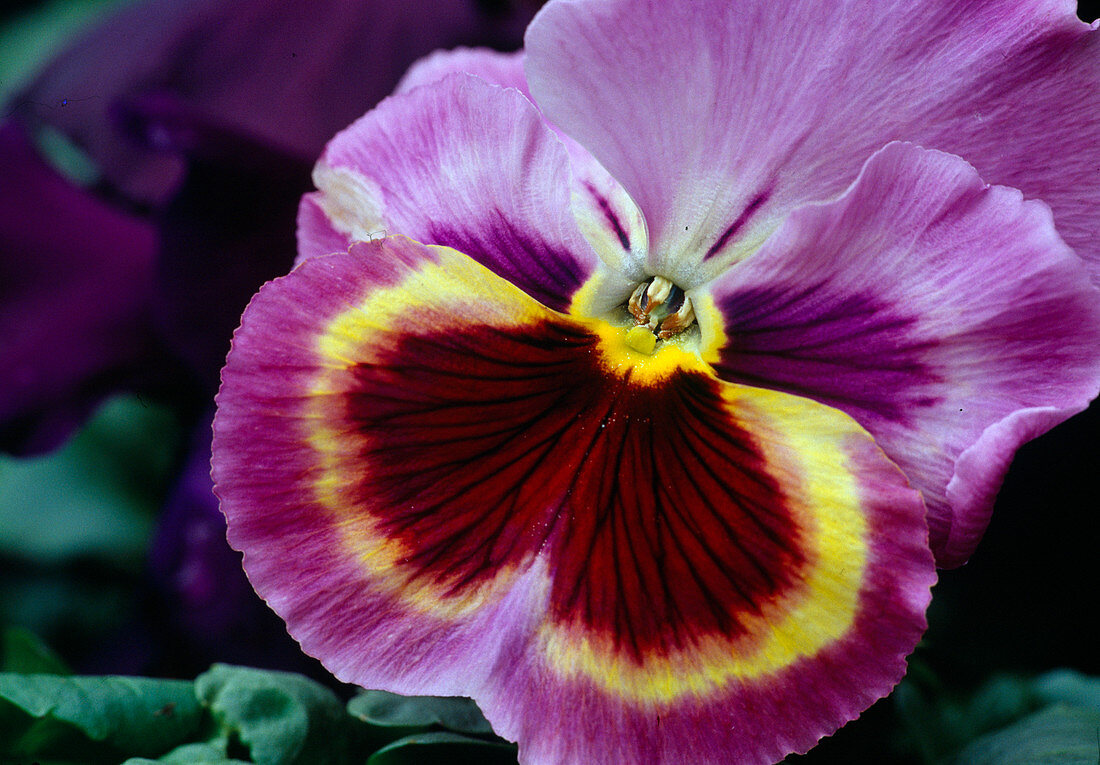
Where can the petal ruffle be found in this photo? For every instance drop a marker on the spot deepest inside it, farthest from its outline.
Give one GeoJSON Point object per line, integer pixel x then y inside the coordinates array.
{"type": "Point", "coordinates": [444, 487]}
{"type": "Point", "coordinates": [504, 69]}
{"type": "Point", "coordinates": [944, 315]}
{"type": "Point", "coordinates": [719, 117]}
{"type": "Point", "coordinates": [416, 166]}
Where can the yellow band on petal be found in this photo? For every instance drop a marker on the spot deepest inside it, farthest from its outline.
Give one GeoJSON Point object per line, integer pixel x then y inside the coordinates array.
{"type": "Point", "coordinates": [804, 445]}
{"type": "Point", "coordinates": [442, 297]}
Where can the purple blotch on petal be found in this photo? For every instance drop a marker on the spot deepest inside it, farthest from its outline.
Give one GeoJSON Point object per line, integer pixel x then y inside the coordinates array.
{"type": "Point", "coordinates": [548, 274]}
{"type": "Point", "coordinates": [612, 217]}
{"type": "Point", "coordinates": [850, 346]}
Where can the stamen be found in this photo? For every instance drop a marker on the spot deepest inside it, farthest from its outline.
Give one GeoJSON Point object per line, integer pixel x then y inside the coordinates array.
{"type": "Point", "coordinates": [677, 322]}
{"type": "Point", "coordinates": [634, 305]}
{"type": "Point", "coordinates": [662, 307]}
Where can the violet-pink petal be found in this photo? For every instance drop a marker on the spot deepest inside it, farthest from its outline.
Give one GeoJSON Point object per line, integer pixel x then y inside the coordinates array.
{"type": "Point", "coordinates": [946, 316]}
{"type": "Point", "coordinates": [504, 69]}
{"type": "Point", "coordinates": [316, 233]}
{"type": "Point", "coordinates": [260, 456]}
{"type": "Point", "coordinates": [981, 468]}
{"type": "Point", "coordinates": [609, 218]}
{"type": "Point", "coordinates": [719, 117]}
{"type": "Point", "coordinates": [465, 164]}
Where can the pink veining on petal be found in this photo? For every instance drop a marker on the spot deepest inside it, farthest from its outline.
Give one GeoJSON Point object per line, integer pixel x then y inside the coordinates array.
{"type": "Point", "coordinates": [756, 722]}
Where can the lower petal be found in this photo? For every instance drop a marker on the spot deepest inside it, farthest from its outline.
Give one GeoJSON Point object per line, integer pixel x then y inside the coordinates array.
{"type": "Point", "coordinates": [443, 487]}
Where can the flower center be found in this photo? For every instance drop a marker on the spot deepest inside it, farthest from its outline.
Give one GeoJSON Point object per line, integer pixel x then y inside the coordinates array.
{"type": "Point", "coordinates": [660, 310]}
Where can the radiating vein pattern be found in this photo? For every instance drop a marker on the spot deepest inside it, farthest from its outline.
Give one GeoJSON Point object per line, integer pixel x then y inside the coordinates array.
{"type": "Point", "coordinates": [485, 446]}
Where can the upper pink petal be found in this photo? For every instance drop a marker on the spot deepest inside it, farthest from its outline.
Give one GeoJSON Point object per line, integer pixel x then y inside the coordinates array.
{"type": "Point", "coordinates": [504, 69]}
{"type": "Point", "coordinates": [608, 218]}
{"type": "Point", "coordinates": [720, 117]}
{"type": "Point", "coordinates": [463, 163]}
{"type": "Point", "coordinates": [944, 315]}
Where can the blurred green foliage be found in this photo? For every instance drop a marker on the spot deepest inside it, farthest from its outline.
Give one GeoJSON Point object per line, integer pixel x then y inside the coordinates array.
{"type": "Point", "coordinates": [243, 715]}
{"type": "Point", "coordinates": [38, 31]}
{"type": "Point", "coordinates": [75, 525]}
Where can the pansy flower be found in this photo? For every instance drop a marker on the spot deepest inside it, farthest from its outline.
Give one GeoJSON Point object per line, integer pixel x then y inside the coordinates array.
{"type": "Point", "coordinates": [633, 385]}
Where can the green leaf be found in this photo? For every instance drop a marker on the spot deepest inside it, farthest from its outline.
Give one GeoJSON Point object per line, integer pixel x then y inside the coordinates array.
{"type": "Point", "coordinates": [1068, 687]}
{"type": "Point", "coordinates": [442, 748]}
{"type": "Point", "coordinates": [932, 721]}
{"type": "Point", "coordinates": [1002, 700]}
{"type": "Point", "coordinates": [206, 753]}
{"type": "Point", "coordinates": [75, 524]}
{"type": "Point", "coordinates": [1060, 734]}
{"type": "Point", "coordinates": [22, 651]}
{"type": "Point", "coordinates": [937, 722]}
{"type": "Point", "coordinates": [95, 719]}
{"type": "Point", "coordinates": [282, 718]}
{"type": "Point", "coordinates": [385, 709]}
{"type": "Point", "coordinates": [96, 497]}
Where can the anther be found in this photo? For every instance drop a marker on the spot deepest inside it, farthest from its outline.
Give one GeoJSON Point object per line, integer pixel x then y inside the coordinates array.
{"type": "Point", "coordinates": [662, 307]}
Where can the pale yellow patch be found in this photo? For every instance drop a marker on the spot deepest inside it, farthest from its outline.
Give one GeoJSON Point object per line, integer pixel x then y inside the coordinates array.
{"type": "Point", "coordinates": [599, 305]}
{"type": "Point", "coordinates": [641, 339]}
{"type": "Point", "coordinates": [352, 202]}
{"type": "Point", "coordinates": [803, 444]}
{"type": "Point", "coordinates": [711, 323]}
{"type": "Point", "coordinates": [588, 301]}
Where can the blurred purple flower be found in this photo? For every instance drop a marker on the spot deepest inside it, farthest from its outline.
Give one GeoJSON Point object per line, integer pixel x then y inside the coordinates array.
{"type": "Point", "coordinates": [202, 606]}
{"type": "Point", "coordinates": [74, 308]}
{"type": "Point", "coordinates": [203, 120]}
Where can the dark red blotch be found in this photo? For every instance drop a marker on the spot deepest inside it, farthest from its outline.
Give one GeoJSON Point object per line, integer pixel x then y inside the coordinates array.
{"type": "Point", "coordinates": [484, 446]}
